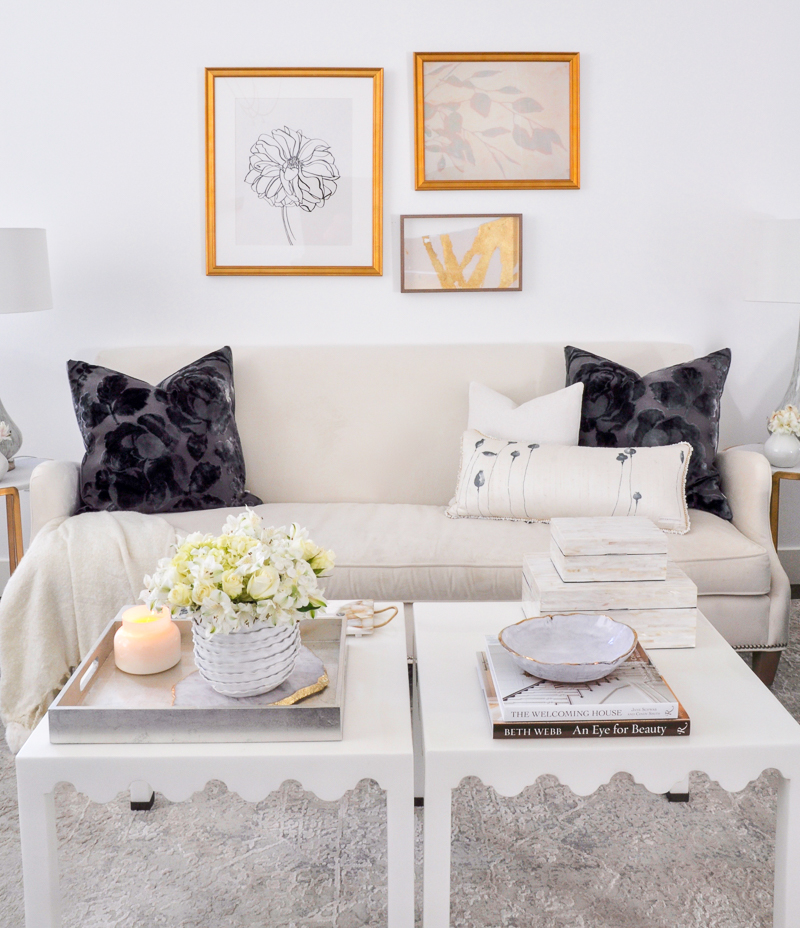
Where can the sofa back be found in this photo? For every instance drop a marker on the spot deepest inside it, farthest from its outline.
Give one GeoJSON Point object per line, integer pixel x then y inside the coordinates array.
{"type": "Point", "coordinates": [371, 423]}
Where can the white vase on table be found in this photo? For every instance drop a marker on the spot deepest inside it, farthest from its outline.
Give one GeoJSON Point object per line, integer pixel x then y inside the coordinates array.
{"type": "Point", "coordinates": [248, 661]}
{"type": "Point", "coordinates": [782, 449]}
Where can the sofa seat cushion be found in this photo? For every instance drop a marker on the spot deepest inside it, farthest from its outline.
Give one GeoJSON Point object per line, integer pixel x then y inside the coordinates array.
{"type": "Point", "coordinates": [398, 551]}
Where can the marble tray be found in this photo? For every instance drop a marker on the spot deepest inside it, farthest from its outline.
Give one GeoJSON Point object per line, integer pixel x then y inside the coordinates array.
{"type": "Point", "coordinates": [102, 705]}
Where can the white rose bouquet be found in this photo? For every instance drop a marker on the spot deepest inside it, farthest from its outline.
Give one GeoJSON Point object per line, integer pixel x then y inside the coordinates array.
{"type": "Point", "coordinates": [785, 421]}
{"type": "Point", "coordinates": [248, 574]}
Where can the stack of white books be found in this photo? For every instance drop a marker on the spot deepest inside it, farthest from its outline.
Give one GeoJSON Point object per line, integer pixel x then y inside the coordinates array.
{"type": "Point", "coordinates": [634, 700]}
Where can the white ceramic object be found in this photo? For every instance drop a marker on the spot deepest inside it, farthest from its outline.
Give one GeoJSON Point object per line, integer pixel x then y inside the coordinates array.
{"type": "Point", "coordinates": [571, 648]}
{"type": "Point", "coordinates": [247, 662]}
{"type": "Point", "coordinates": [782, 449]}
{"type": "Point", "coordinates": [3, 466]}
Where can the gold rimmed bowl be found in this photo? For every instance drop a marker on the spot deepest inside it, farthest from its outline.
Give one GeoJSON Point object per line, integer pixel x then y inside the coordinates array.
{"type": "Point", "coordinates": [570, 647]}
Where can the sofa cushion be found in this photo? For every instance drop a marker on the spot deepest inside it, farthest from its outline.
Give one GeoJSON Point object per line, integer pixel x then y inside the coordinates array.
{"type": "Point", "coordinates": [554, 418]}
{"type": "Point", "coordinates": [678, 403]}
{"type": "Point", "coordinates": [409, 552]}
{"type": "Point", "coordinates": [160, 448]}
{"type": "Point", "coordinates": [533, 483]}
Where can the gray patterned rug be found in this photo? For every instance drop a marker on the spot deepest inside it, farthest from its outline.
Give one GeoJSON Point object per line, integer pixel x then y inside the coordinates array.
{"type": "Point", "coordinates": [621, 858]}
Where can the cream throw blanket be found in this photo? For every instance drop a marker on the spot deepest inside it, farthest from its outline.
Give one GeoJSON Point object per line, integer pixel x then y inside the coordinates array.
{"type": "Point", "coordinates": [72, 581]}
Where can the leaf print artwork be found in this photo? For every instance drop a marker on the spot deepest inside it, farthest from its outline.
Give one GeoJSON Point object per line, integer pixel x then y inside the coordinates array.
{"type": "Point", "coordinates": [505, 123]}
{"type": "Point", "coordinates": [288, 169]}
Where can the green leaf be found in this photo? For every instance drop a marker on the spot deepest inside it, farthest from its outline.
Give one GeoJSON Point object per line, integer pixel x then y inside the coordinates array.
{"type": "Point", "coordinates": [481, 103]}
{"type": "Point", "coordinates": [527, 105]}
{"type": "Point", "coordinates": [437, 70]}
{"type": "Point", "coordinates": [452, 79]}
{"type": "Point", "coordinates": [484, 74]}
{"type": "Point", "coordinates": [441, 165]}
{"type": "Point", "coordinates": [428, 110]}
{"type": "Point", "coordinates": [494, 132]}
{"type": "Point", "coordinates": [510, 90]}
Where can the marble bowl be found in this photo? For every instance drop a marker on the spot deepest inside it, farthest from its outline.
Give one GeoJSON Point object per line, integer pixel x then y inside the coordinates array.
{"type": "Point", "coordinates": [569, 648]}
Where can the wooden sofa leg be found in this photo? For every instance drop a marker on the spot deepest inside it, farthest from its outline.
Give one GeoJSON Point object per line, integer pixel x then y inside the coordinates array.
{"type": "Point", "coordinates": [765, 665]}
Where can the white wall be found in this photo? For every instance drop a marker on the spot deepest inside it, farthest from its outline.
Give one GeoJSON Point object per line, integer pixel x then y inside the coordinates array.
{"type": "Point", "coordinates": [689, 130]}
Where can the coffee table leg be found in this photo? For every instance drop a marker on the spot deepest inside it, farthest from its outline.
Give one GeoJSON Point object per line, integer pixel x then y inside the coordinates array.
{"type": "Point", "coordinates": [787, 854]}
{"type": "Point", "coordinates": [436, 874]}
{"type": "Point", "coordinates": [400, 853]}
{"type": "Point", "coordinates": [37, 831]}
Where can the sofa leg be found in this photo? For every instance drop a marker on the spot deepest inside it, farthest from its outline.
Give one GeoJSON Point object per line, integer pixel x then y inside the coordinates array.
{"type": "Point", "coordinates": [765, 665]}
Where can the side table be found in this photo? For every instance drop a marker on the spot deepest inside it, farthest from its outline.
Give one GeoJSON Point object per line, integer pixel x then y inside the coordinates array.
{"type": "Point", "coordinates": [739, 729]}
{"type": "Point", "coordinates": [376, 744]}
{"type": "Point", "coordinates": [10, 485]}
{"type": "Point", "coordinates": [778, 474]}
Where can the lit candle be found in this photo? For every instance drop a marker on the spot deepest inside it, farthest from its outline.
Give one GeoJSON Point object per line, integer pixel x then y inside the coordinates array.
{"type": "Point", "coordinates": [147, 642]}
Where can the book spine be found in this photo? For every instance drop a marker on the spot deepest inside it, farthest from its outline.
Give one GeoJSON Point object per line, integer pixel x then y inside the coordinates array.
{"type": "Point", "coordinates": [624, 729]}
{"type": "Point", "coordinates": [617, 712]}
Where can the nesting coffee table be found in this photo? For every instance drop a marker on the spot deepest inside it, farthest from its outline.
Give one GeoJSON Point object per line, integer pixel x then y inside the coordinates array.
{"type": "Point", "coordinates": [739, 729]}
{"type": "Point", "coordinates": [376, 744]}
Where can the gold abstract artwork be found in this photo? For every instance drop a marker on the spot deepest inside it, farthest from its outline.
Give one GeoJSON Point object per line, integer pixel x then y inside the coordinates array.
{"type": "Point", "coordinates": [461, 253]}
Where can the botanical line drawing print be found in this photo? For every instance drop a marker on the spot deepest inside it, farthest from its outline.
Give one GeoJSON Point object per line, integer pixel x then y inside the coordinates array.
{"type": "Point", "coordinates": [497, 235]}
{"type": "Point", "coordinates": [479, 482]}
{"type": "Point", "coordinates": [468, 470]}
{"type": "Point", "coordinates": [489, 454]}
{"type": "Point", "coordinates": [288, 169]}
{"type": "Point", "coordinates": [494, 122]}
{"type": "Point", "coordinates": [514, 456]}
{"type": "Point", "coordinates": [531, 448]}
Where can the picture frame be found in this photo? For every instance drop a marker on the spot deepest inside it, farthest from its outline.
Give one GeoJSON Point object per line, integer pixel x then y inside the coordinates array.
{"type": "Point", "coordinates": [461, 252]}
{"type": "Point", "coordinates": [497, 121]}
{"type": "Point", "coordinates": [294, 171]}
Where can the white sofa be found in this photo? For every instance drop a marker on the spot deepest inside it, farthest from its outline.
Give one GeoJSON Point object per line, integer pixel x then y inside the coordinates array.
{"type": "Point", "coordinates": [361, 445]}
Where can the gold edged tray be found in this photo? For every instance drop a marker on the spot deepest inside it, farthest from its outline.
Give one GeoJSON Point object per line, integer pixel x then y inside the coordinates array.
{"type": "Point", "coordinates": [102, 705]}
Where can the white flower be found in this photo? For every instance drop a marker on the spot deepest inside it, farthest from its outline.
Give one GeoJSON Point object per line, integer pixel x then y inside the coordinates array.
{"type": "Point", "coordinates": [785, 421]}
{"type": "Point", "coordinates": [5, 431]}
{"type": "Point", "coordinates": [264, 583]}
{"type": "Point", "coordinates": [249, 573]}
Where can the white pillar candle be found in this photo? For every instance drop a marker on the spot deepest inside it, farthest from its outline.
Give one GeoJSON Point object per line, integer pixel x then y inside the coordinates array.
{"type": "Point", "coordinates": [147, 642]}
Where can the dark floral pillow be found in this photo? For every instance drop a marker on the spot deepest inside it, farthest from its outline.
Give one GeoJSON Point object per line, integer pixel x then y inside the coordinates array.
{"type": "Point", "coordinates": [169, 448]}
{"type": "Point", "coordinates": [679, 403]}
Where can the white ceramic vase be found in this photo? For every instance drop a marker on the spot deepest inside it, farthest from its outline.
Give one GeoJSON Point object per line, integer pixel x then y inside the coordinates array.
{"type": "Point", "coordinates": [782, 449]}
{"type": "Point", "coordinates": [249, 661]}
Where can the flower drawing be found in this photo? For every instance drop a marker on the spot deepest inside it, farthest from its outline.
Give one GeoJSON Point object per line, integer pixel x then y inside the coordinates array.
{"type": "Point", "coordinates": [289, 170]}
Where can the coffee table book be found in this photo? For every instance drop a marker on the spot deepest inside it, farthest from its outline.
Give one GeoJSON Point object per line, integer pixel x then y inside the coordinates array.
{"type": "Point", "coordinates": [542, 730]}
{"type": "Point", "coordinates": [635, 690]}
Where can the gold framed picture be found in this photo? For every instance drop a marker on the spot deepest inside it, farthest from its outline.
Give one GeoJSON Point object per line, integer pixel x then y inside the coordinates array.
{"type": "Point", "coordinates": [475, 251]}
{"type": "Point", "coordinates": [502, 121]}
{"type": "Point", "coordinates": [294, 171]}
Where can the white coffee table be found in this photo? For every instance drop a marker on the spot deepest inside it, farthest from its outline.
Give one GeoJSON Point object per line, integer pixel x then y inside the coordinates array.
{"type": "Point", "coordinates": [739, 730]}
{"type": "Point", "coordinates": [376, 745]}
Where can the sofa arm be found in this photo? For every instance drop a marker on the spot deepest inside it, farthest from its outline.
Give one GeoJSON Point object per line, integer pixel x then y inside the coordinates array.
{"type": "Point", "coordinates": [54, 492]}
{"type": "Point", "coordinates": [747, 483]}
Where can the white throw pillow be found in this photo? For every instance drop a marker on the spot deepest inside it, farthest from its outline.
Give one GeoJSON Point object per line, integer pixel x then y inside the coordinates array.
{"type": "Point", "coordinates": [551, 419]}
{"type": "Point", "coordinates": [534, 483]}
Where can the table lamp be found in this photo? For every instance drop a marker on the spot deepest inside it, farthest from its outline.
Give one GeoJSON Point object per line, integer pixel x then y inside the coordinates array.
{"type": "Point", "coordinates": [24, 288]}
{"type": "Point", "coordinates": [775, 278]}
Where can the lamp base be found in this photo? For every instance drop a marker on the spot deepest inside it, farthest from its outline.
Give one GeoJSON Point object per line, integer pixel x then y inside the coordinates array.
{"type": "Point", "coordinates": [11, 445]}
{"type": "Point", "coordinates": [792, 395]}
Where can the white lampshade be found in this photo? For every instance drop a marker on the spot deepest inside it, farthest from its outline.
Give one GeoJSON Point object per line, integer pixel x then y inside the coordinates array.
{"type": "Point", "coordinates": [24, 271]}
{"type": "Point", "coordinates": [775, 262]}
